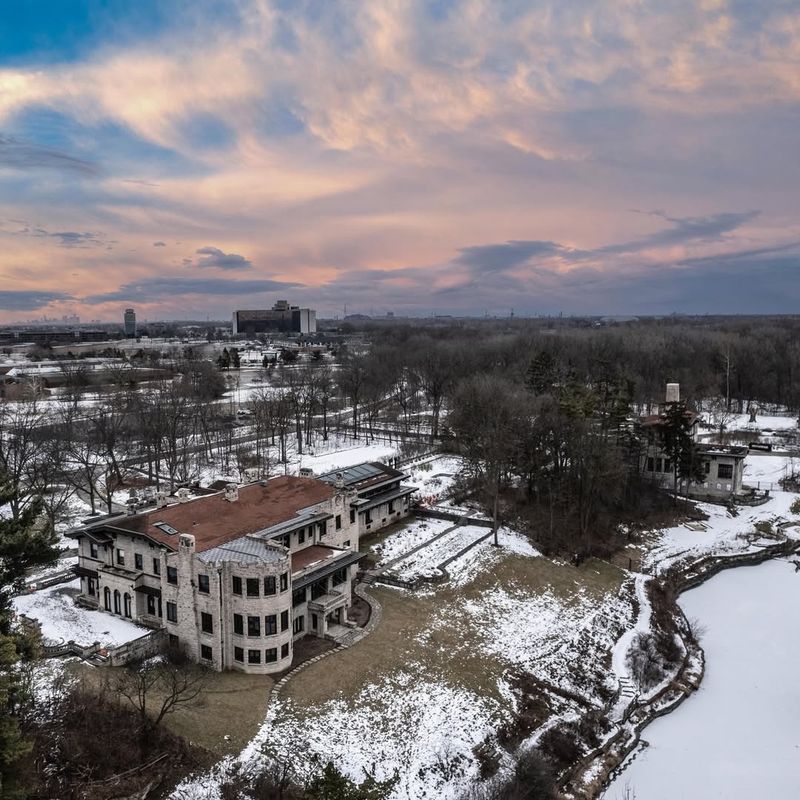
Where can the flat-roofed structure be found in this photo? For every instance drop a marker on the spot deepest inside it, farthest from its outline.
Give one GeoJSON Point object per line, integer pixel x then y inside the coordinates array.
{"type": "Point", "coordinates": [380, 496]}
{"type": "Point", "coordinates": [281, 318]}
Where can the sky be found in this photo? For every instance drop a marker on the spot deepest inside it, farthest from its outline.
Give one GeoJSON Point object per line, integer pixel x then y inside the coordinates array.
{"type": "Point", "coordinates": [189, 158]}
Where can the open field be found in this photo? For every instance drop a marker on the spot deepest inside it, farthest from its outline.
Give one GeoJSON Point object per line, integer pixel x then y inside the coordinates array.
{"type": "Point", "coordinates": [434, 679]}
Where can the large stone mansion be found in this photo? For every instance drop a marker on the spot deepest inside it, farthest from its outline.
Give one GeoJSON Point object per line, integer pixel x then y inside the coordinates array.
{"type": "Point", "coordinates": [235, 578]}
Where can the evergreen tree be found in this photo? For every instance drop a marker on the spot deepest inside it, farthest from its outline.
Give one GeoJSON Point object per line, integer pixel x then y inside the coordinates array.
{"type": "Point", "coordinates": [235, 360]}
{"type": "Point", "coordinates": [330, 784]}
{"type": "Point", "coordinates": [24, 545]}
{"type": "Point", "coordinates": [679, 446]}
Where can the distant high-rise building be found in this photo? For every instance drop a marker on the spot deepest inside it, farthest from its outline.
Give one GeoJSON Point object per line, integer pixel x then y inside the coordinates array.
{"type": "Point", "coordinates": [130, 323]}
{"type": "Point", "coordinates": [282, 317]}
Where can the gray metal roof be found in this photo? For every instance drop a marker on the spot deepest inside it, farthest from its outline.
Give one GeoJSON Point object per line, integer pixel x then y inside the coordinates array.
{"type": "Point", "coordinates": [245, 550]}
{"type": "Point", "coordinates": [293, 525]}
{"type": "Point", "coordinates": [354, 474]}
{"type": "Point", "coordinates": [329, 567]}
{"type": "Point", "coordinates": [384, 497]}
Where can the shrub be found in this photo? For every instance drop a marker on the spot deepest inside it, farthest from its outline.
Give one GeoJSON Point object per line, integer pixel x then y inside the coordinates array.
{"type": "Point", "coordinates": [764, 527]}
{"type": "Point", "coordinates": [532, 780]}
{"type": "Point", "coordinates": [645, 662]}
{"type": "Point", "coordinates": [488, 759]}
{"type": "Point", "coordinates": [561, 746]}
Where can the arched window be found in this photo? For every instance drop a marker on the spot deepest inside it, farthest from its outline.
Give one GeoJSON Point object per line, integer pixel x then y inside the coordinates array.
{"type": "Point", "coordinates": [116, 601]}
{"type": "Point", "coordinates": [127, 601]}
{"type": "Point", "coordinates": [107, 598]}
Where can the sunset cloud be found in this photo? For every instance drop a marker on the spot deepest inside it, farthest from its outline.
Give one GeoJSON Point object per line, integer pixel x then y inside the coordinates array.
{"type": "Point", "coordinates": [214, 257]}
{"type": "Point", "coordinates": [363, 153]}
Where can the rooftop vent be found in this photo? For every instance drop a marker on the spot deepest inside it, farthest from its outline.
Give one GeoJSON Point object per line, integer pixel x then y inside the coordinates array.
{"type": "Point", "coordinates": [161, 499]}
{"type": "Point", "coordinates": [183, 495]}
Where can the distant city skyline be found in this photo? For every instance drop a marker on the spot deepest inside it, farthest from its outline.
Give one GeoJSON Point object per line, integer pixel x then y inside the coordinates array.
{"type": "Point", "coordinates": [603, 157]}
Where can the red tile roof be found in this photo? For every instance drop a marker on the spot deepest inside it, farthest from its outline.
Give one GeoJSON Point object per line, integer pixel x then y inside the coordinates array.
{"type": "Point", "coordinates": [213, 520]}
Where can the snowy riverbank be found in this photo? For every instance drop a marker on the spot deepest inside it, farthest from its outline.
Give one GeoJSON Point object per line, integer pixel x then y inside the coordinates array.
{"type": "Point", "coordinates": [739, 736]}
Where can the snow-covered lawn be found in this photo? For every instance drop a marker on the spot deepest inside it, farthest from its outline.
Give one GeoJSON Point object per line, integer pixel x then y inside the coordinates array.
{"type": "Point", "coordinates": [434, 477]}
{"type": "Point", "coordinates": [415, 533]}
{"type": "Point", "coordinates": [419, 727]}
{"type": "Point", "coordinates": [337, 452]}
{"type": "Point", "coordinates": [346, 456]}
{"type": "Point", "coordinates": [737, 737]}
{"type": "Point", "coordinates": [63, 621]}
{"type": "Point", "coordinates": [435, 678]}
{"type": "Point", "coordinates": [76, 509]}
{"type": "Point", "coordinates": [725, 534]}
{"type": "Point", "coordinates": [768, 469]}
{"type": "Point", "coordinates": [424, 562]}
{"type": "Point", "coordinates": [775, 422]}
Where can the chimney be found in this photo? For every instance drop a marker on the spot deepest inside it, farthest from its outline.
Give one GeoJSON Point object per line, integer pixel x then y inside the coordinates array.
{"type": "Point", "coordinates": [186, 541]}
{"type": "Point", "coordinates": [339, 481]}
{"type": "Point", "coordinates": [132, 503]}
{"type": "Point", "coordinates": [183, 495]}
{"type": "Point", "coordinates": [161, 499]}
{"type": "Point", "coordinates": [673, 393]}
{"type": "Point", "coordinates": [231, 492]}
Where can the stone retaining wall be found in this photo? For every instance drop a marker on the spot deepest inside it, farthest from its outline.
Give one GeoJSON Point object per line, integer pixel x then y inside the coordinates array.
{"type": "Point", "coordinates": [139, 649]}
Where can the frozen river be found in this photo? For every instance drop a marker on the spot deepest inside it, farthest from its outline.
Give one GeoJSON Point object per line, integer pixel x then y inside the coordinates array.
{"type": "Point", "coordinates": [738, 738]}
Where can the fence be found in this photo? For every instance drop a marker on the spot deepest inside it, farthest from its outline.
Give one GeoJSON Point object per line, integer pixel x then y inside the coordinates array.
{"type": "Point", "coordinates": [145, 646]}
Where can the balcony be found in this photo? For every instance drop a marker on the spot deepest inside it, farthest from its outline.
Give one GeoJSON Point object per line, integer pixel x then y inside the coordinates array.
{"type": "Point", "coordinates": [327, 602]}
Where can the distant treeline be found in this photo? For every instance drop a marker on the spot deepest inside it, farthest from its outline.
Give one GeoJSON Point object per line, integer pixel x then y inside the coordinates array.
{"type": "Point", "coordinates": [748, 359]}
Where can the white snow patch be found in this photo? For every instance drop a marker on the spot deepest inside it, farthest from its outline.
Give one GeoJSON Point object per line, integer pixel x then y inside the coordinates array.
{"type": "Point", "coordinates": [520, 627]}
{"type": "Point", "coordinates": [724, 535]}
{"type": "Point", "coordinates": [433, 756]}
{"type": "Point", "coordinates": [63, 621]}
{"type": "Point", "coordinates": [417, 532]}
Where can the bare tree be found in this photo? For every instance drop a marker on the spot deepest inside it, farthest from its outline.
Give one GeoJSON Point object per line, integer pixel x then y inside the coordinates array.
{"type": "Point", "coordinates": [159, 687]}
{"type": "Point", "coordinates": [22, 444]}
{"type": "Point", "coordinates": [437, 369]}
{"type": "Point", "coordinates": [488, 416]}
{"type": "Point", "coordinates": [352, 379]}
